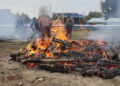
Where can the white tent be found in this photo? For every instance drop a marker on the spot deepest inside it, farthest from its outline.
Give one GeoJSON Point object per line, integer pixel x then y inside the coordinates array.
{"type": "Point", "coordinates": [97, 20]}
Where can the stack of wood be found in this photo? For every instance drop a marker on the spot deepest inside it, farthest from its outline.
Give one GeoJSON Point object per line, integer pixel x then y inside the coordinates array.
{"type": "Point", "coordinates": [86, 57]}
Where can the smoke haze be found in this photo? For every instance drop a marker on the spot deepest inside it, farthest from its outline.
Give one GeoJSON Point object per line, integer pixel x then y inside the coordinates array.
{"type": "Point", "coordinates": [107, 33]}
{"type": "Point", "coordinates": [11, 32]}
{"type": "Point", "coordinates": [14, 26]}
{"type": "Point", "coordinates": [111, 9]}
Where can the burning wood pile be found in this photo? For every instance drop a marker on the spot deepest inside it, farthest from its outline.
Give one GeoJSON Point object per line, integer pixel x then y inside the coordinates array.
{"type": "Point", "coordinates": [59, 54]}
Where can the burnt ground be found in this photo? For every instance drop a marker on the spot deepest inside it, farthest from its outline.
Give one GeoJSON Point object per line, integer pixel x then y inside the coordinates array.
{"type": "Point", "coordinates": [15, 74]}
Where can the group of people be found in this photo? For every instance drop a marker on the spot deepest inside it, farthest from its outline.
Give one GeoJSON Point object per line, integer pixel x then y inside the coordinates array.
{"type": "Point", "coordinates": [43, 25]}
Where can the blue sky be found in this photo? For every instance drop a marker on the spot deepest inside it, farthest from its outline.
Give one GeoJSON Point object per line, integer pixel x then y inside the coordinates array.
{"type": "Point", "coordinates": [31, 6]}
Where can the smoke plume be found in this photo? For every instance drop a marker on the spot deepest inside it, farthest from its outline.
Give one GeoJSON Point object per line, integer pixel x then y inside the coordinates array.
{"type": "Point", "coordinates": [14, 27]}
{"type": "Point", "coordinates": [110, 8]}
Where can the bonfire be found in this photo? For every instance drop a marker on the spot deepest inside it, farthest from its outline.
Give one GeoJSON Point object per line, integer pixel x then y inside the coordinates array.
{"type": "Point", "coordinates": [60, 54]}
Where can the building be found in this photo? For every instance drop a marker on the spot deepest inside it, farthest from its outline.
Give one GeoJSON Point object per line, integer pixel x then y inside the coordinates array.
{"type": "Point", "coordinates": [6, 17]}
{"type": "Point", "coordinates": [78, 18]}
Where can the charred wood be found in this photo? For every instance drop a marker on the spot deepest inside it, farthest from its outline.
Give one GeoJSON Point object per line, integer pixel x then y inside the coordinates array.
{"type": "Point", "coordinates": [62, 42]}
{"type": "Point", "coordinates": [46, 60]}
{"type": "Point", "coordinates": [108, 63]}
{"type": "Point", "coordinates": [14, 56]}
{"type": "Point", "coordinates": [109, 73]}
{"type": "Point", "coordinates": [56, 68]}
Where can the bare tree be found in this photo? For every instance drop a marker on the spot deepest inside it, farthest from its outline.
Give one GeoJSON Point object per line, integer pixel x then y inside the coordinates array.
{"type": "Point", "coordinates": [45, 11]}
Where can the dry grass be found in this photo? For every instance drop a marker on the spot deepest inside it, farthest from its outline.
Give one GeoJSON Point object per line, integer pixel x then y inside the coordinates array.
{"type": "Point", "coordinates": [79, 34]}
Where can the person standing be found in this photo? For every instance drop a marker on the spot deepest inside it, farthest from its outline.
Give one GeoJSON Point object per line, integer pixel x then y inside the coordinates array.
{"type": "Point", "coordinates": [69, 24]}
{"type": "Point", "coordinates": [34, 25]}
{"type": "Point", "coordinates": [45, 24]}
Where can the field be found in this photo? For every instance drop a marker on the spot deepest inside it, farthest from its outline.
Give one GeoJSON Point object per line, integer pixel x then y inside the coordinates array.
{"type": "Point", "coordinates": [15, 74]}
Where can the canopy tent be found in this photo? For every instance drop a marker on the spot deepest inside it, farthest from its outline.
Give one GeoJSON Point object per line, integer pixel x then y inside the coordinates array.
{"type": "Point", "coordinates": [73, 15]}
{"type": "Point", "coordinates": [76, 16]}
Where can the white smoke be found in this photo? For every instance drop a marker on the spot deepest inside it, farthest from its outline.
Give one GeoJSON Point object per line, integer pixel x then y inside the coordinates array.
{"type": "Point", "coordinates": [103, 0]}
{"type": "Point", "coordinates": [118, 8]}
{"type": "Point", "coordinates": [9, 30]}
{"type": "Point", "coordinates": [107, 33]}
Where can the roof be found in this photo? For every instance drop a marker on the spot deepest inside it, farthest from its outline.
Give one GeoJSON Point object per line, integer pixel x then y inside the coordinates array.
{"type": "Point", "coordinates": [94, 20]}
{"type": "Point", "coordinates": [73, 15]}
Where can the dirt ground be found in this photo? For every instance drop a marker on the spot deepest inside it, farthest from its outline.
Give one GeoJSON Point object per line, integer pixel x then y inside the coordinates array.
{"type": "Point", "coordinates": [15, 74]}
